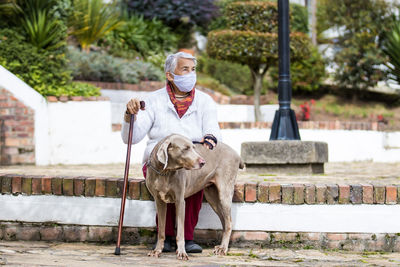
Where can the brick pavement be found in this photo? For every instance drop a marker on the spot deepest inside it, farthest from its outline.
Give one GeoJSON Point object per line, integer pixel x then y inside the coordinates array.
{"type": "Point", "coordinates": [34, 254]}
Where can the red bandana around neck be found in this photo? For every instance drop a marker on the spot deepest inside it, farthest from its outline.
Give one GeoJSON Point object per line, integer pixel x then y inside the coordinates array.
{"type": "Point", "coordinates": [181, 106]}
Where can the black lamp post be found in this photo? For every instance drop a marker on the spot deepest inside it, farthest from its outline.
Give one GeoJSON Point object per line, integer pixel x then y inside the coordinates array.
{"type": "Point", "coordinates": [284, 126]}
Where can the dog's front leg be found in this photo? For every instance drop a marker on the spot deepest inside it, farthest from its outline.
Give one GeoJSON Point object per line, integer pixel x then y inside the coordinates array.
{"type": "Point", "coordinates": [180, 237]}
{"type": "Point", "coordinates": [161, 208]}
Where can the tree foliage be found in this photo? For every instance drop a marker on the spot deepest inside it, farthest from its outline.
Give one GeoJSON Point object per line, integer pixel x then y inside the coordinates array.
{"type": "Point", "coordinates": [175, 12]}
{"type": "Point", "coordinates": [361, 26]}
{"type": "Point", "coordinates": [266, 20]}
{"type": "Point", "coordinates": [253, 48]}
{"type": "Point", "coordinates": [253, 41]}
{"type": "Point", "coordinates": [392, 50]}
{"type": "Point", "coordinates": [180, 15]}
{"type": "Point", "coordinates": [307, 74]}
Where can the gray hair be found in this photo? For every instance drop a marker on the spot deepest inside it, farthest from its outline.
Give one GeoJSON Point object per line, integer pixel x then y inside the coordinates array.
{"type": "Point", "coordinates": [172, 61]}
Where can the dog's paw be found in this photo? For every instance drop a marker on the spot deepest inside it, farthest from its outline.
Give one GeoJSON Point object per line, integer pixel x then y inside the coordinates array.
{"type": "Point", "coordinates": [220, 250]}
{"type": "Point", "coordinates": [155, 253]}
{"type": "Point", "coordinates": [181, 255]}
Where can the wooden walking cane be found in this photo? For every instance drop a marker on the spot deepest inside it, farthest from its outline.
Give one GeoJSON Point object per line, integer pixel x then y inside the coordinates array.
{"type": "Point", "coordinates": [127, 162]}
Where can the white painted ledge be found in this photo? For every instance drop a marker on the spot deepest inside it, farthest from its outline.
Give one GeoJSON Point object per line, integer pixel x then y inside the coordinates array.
{"type": "Point", "coordinates": [245, 216]}
{"type": "Point", "coordinates": [38, 103]}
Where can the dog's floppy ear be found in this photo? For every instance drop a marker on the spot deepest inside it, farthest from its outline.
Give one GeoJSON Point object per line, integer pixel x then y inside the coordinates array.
{"type": "Point", "coordinates": [162, 153]}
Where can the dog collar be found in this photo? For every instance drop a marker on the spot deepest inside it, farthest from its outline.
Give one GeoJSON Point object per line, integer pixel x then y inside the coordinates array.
{"type": "Point", "coordinates": [155, 170]}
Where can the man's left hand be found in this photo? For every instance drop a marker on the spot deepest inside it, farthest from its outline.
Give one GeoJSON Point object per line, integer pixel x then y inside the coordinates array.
{"type": "Point", "coordinates": [209, 141]}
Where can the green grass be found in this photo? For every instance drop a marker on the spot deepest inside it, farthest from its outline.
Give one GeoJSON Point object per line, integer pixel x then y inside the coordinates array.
{"type": "Point", "coordinates": [347, 110]}
{"type": "Point", "coordinates": [269, 180]}
{"type": "Point", "coordinates": [252, 255]}
{"type": "Point", "coordinates": [238, 254]}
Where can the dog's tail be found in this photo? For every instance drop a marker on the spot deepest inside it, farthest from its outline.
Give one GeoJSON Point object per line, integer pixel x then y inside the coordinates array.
{"type": "Point", "coordinates": [241, 164]}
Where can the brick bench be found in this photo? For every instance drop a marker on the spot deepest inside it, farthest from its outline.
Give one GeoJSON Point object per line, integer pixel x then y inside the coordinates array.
{"type": "Point", "coordinates": [290, 194]}
{"type": "Point", "coordinates": [36, 196]}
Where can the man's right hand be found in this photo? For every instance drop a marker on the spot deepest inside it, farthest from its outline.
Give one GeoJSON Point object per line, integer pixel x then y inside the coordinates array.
{"type": "Point", "coordinates": [132, 107]}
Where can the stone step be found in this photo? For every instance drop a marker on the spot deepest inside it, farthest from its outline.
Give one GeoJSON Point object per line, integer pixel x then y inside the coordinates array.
{"type": "Point", "coordinates": [16, 231]}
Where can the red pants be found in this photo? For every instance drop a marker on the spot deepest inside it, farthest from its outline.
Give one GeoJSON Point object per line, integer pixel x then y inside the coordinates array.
{"type": "Point", "coordinates": [192, 209]}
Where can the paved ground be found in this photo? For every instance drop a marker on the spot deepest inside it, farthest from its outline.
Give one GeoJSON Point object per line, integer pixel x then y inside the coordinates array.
{"type": "Point", "coordinates": [347, 173]}
{"type": "Point", "coordinates": [34, 254]}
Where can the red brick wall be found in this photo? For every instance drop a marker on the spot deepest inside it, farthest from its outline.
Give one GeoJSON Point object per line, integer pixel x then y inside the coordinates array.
{"type": "Point", "coordinates": [16, 131]}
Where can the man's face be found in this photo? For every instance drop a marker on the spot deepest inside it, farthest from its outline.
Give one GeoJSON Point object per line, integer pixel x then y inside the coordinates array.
{"type": "Point", "coordinates": [183, 66]}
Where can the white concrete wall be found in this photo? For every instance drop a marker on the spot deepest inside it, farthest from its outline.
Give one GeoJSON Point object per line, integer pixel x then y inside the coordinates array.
{"type": "Point", "coordinates": [342, 145]}
{"type": "Point", "coordinates": [245, 216]}
{"type": "Point", "coordinates": [35, 101]}
{"type": "Point", "coordinates": [80, 133]}
{"type": "Point", "coordinates": [226, 113]}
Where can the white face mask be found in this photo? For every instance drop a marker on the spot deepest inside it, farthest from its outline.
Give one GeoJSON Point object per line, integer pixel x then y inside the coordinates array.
{"type": "Point", "coordinates": [185, 83]}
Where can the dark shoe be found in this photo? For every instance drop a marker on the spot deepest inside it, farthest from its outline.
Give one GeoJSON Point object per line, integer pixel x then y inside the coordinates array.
{"type": "Point", "coordinates": [192, 247]}
{"type": "Point", "coordinates": [167, 244]}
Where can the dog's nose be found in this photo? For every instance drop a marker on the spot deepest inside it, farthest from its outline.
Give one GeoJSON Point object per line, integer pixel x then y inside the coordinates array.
{"type": "Point", "coordinates": [202, 162]}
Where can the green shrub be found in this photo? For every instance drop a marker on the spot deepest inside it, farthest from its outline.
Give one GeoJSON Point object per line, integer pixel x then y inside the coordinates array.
{"type": "Point", "coordinates": [306, 74]}
{"type": "Point", "coordinates": [91, 20]}
{"type": "Point", "coordinates": [98, 66]}
{"type": "Point", "coordinates": [392, 50]}
{"type": "Point", "coordinates": [211, 83]}
{"type": "Point", "coordinates": [37, 67]}
{"type": "Point", "coordinates": [138, 36]}
{"type": "Point", "coordinates": [41, 20]}
{"type": "Point", "coordinates": [44, 71]}
{"type": "Point", "coordinates": [79, 89]}
{"type": "Point", "coordinates": [236, 76]}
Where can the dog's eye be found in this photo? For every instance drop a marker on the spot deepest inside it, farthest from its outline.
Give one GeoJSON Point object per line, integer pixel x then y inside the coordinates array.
{"type": "Point", "coordinates": [186, 148]}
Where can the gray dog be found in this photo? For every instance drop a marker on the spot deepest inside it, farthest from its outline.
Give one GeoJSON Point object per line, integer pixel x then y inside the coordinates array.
{"type": "Point", "coordinates": [177, 169]}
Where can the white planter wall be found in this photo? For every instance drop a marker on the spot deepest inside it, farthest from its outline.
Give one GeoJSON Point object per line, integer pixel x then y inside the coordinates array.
{"type": "Point", "coordinates": [35, 101]}
{"type": "Point", "coordinates": [80, 132]}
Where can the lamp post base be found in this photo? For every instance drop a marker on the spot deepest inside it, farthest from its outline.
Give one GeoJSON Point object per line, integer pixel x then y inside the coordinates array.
{"type": "Point", "coordinates": [285, 126]}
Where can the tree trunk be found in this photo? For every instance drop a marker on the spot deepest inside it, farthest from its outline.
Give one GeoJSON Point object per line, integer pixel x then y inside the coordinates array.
{"type": "Point", "coordinates": [312, 19]}
{"type": "Point", "coordinates": [257, 74]}
{"type": "Point", "coordinates": [313, 26]}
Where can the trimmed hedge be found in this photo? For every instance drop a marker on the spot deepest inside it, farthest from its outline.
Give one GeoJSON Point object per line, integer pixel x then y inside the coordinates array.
{"type": "Point", "coordinates": [252, 16]}
{"type": "Point", "coordinates": [253, 48]}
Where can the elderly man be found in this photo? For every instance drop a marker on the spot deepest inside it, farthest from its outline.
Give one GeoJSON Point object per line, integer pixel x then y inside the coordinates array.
{"type": "Point", "coordinates": [177, 108]}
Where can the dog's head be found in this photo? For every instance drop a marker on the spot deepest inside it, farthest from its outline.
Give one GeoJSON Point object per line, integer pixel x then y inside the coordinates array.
{"type": "Point", "coordinates": [177, 151]}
